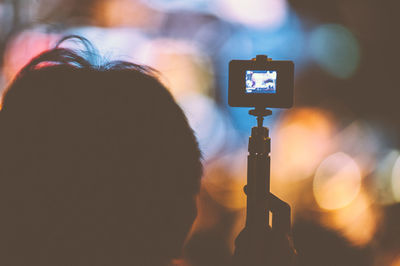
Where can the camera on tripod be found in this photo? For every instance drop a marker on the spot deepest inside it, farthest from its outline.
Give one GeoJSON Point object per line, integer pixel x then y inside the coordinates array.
{"type": "Point", "coordinates": [261, 82]}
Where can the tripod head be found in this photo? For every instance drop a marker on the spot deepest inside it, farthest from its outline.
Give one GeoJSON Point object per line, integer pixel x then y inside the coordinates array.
{"type": "Point", "coordinates": [259, 141]}
{"type": "Point", "coordinates": [260, 113]}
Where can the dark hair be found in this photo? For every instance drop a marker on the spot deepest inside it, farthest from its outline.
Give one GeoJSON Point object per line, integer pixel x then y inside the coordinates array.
{"type": "Point", "coordinates": [98, 165]}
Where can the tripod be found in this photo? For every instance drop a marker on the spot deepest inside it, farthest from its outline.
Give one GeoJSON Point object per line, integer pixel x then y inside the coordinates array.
{"type": "Point", "coordinates": [260, 202]}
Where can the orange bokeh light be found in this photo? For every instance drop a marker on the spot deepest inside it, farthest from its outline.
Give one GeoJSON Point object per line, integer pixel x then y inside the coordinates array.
{"type": "Point", "coordinates": [299, 143]}
{"type": "Point", "coordinates": [337, 181]}
{"type": "Point", "coordinates": [23, 48]}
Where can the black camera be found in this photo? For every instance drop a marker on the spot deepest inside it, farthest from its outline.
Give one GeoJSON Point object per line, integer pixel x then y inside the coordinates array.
{"type": "Point", "coordinates": [261, 82]}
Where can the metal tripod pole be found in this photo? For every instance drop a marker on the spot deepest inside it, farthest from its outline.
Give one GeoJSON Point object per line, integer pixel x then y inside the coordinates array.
{"type": "Point", "coordinates": [258, 183]}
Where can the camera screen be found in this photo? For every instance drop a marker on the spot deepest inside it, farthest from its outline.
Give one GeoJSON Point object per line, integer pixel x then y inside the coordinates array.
{"type": "Point", "coordinates": [261, 81]}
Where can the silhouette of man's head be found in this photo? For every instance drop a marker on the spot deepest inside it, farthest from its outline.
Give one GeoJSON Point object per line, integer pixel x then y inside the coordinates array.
{"type": "Point", "coordinates": [98, 166]}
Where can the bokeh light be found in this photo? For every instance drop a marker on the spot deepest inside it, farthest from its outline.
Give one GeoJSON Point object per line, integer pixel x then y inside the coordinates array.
{"type": "Point", "coordinates": [23, 48]}
{"type": "Point", "coordinates": [299, 143]}
{"type": "Point", "coordinates": [337, 181]}
{"type": "Point", "coordinates": [207, 121]}
{"type": "Point", "coordinates": [335, 49]}
{"type": "Point", "coordinates": [357, 221]}
{"type": "Point", "coordinates": [118, 43]}
{"type": "Point", "coordinates": [225, 178]}
{"type": "Point", "coordinates": [125, 13]}
{"type": "Point", "coordinates": [383, 183]}
{"type": "Point", "coordinates": [396, 179]}
{"type": "Point", "coordinates": [179, 5]}
{"type": "Point", "coordinates": [184, 68]}
{"type": "Point", "coordinates": [363, 143]}
{"type": "Point", "coordinates": [254, 13]}
{"type": "Point", "coordinates": [396, 261]}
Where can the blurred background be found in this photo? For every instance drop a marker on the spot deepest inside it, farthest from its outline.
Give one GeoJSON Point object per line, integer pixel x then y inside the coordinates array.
{"type": "Point", "coordinates": [335, 155]}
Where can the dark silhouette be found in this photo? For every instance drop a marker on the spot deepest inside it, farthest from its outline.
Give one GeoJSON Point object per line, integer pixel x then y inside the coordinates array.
{"type": "Point", "coordinates": [317, 245]}
{"type": "Point", "coordinates": [98, 166]}
{"type": "Point", "coordinates": [209, 248]}
{"type": "Point", "coordinates": [267, 245]}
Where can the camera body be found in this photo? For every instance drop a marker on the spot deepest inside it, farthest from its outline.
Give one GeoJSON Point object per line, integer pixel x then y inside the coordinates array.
{"type": "Point", "coordinates": [261, 83]}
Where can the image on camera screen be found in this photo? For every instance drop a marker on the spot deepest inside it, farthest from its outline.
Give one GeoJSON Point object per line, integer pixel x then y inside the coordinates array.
{"type": "Point", "coordinates": [261, 81]}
